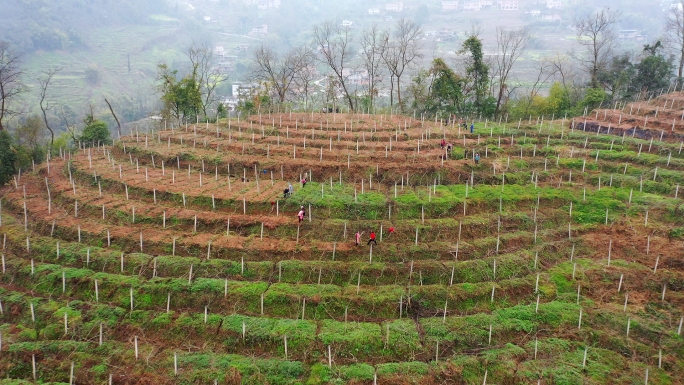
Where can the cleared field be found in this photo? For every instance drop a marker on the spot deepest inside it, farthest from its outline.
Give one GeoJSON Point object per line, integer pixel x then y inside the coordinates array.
{"type": "Point", "coordinates": [173, 256]}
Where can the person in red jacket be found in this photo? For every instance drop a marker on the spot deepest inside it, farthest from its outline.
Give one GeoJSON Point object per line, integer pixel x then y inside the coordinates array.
{"type": "Point", "coordinates": [372, 238]}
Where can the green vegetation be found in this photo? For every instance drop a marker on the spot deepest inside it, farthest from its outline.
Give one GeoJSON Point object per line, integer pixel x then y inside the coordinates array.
{"type": "Point", "coordinates": [507, 274]}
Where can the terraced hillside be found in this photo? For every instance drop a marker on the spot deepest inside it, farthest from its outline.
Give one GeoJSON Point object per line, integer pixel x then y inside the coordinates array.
{"type": "Point", "coordinates": [173, 257]}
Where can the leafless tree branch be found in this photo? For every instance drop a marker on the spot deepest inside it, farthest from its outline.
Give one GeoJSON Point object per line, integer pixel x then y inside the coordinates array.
{"type": "Point", "coordinates": [11, 86]}
{"type": "Point", "coordinates": [596, 36]}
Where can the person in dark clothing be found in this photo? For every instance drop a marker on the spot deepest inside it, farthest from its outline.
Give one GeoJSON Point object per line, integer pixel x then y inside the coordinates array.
{"type": "Point", "coordinates": [286, 193]}
{"type": "Point", "coordinates": [372, 238]}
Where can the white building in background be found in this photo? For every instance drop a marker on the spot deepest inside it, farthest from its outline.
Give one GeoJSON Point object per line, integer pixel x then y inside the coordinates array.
{"type": "Point", "coordinates": [449, 5]}
{"type": "Point", "coordinates": [552, 18]}
{"type": "Point", "coordinates": [357, 77]}
{"type": "Point", "coordinates": [510, 5]}
{"type": "Point", "coordinates": [472, 6]}
{"type": "Point", "coordinates": [395, 7]}
{"type": "Point", "coordinates": [219, 51]}
{"type": "Point", "coordinates": [628, 34]}
{"type": "Point", "coordinates": [275, 4]}
{"type": "Point", "coordinates": [373, 11]}
{"type": "Point", "coordinates": [555, 4]}
{"type": "Point", "coordinates": [259, 31]}
{"type": "Point", "coordinates": [347, 23]}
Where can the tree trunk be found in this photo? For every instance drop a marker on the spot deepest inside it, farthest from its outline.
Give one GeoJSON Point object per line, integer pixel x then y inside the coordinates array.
{"type": "Point", "coordinates": [401, 106]}
{"type": "Point", "coordinates": [115, 118]}
{"type": "Point", "coordinates": [681, 65]}
{"type": "Point", "coordinates": [498, 100]}
{"type": "Point", "coordinates": [391, 91]}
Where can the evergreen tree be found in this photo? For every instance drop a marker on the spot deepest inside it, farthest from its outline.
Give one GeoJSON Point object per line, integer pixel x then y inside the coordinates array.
{"type": "Point", "coordinates": [477, 70]}
{"type": "Point", "coordinates": [7, 158]}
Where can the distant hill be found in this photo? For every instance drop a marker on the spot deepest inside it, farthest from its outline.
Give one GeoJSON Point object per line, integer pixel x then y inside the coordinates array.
{"type": "Point", "coordinates": [60, 24]}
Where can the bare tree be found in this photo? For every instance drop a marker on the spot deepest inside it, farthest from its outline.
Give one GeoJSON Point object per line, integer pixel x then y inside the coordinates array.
{"type": "Point", "coordinates": [11, 85]}
{"type": "Point", "coordinates": [280, 72]}
{"type": "Point", "coordinates": [545, 71]}
{"type": "Point", "coordinates": [401, 51]}
{"type": "Point", "coordinates": [371, 54]}
{"type": "Point", "coordinates": [70, 125]}
{"type": "Point", "coordinates": [562, 69]}
{"type": "Point", "coordinates": [595, 35]}
{"type": "Point", "coordinates": [334, 45]}
{"type": "Point", "coordinates": [114, 115]}
{"type": "Point", "coordinates": [304, 81]}
{"type": "Point", "coordinates": [206, 75]}
{"type": "Point", "coordinates": [46, 101]}
{"type": "Point", "coordinates": [510, 45]}
{"type": "Point", "coordinates": [674, 29]}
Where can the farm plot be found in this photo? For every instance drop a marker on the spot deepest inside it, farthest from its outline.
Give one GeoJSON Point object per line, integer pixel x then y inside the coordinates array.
{"type": "Point", "coordinates": [176, 256]}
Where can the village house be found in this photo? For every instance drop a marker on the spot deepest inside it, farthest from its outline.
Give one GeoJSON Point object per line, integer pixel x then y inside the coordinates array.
{"type": "Point", "coordinates": [272, 4]}
{"type": "Point", "coordinates": [445, 32]}
{"type": "Point", "coordinates": [472, 6]}
{"type": "Point", "coordinates": [259, 31]}
{"type": "Point", "coordinates": [552, 18]}
{"type": "Point", "coordinates": [628, 34]}
{"type": "Point", "coordinates": [555, 4]}
{"type": "Point", "coordinates": [510, 5]}
{"type": "Point", "coordinates": [395, 7]}
{"type": "Point", "coordinates": [449, 5]}
{"type": "Point", "coordinates": [356, 77]}
{"type": "Point", "coordinates": [219, 51]}
{"type": "Point", "coordinates": [373, 11]}
{"type": "Point", "coordinates": [347, 23]}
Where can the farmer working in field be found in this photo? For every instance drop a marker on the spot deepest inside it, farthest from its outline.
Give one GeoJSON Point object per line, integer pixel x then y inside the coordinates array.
{"type": "Point", "coordinates": [357, 237]}
{"type": "Point", "coordinates": [301, 214]}
{"type": "Point", "coordinates": [477, 158]}
{"type": "Point", "coordinates": [371, 238]}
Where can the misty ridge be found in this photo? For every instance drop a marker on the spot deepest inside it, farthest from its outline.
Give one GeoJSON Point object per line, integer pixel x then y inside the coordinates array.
{"type": "Point", "coordinates": [437, 58]}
